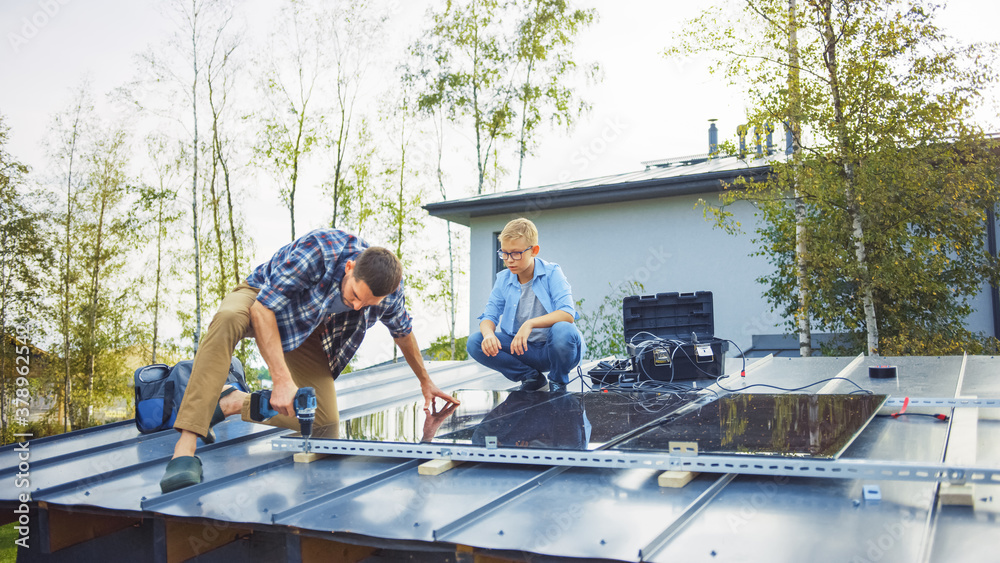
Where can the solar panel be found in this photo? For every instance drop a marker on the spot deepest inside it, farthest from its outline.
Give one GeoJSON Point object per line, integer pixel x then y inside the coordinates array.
{"type": "Point", "coordinates": [799, 425]}
{"type": "Point", "coordinates": [761, 424]}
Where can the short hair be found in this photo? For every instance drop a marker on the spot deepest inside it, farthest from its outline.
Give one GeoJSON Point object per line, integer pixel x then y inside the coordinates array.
{"type": "Point", "coordinates": [520, 228]}
{"type": "Point", "coordinates": [380, 269]}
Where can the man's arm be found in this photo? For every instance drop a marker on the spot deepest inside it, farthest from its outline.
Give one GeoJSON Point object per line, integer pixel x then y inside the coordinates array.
{"type": "Point", "coordinates": [411, 351]}
{"type": "Point", "coordinates": [519, 344]}
{"type": "Point", "coordinates": [265, 329]}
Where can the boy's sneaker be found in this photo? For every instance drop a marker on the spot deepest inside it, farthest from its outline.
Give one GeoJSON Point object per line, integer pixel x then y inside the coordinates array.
{"type": "Point", "coordinates": [533, 384]}
{"type": "Point", "coordinates": [556, 387]}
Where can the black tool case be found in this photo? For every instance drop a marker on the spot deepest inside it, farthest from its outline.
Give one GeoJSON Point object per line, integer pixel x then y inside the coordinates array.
{"type": "Point", "coordinates": [671, 336]}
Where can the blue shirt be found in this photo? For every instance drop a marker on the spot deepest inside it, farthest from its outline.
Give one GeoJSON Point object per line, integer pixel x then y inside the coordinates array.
{"type": "Point", "coordinates": [301, 285]}
{"type": "Point", "coordinates": [549, 285]}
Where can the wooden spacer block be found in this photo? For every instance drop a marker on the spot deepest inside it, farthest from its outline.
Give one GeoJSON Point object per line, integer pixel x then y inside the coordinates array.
{"type": "Point", "coordinates": [957, 495]}
{"type": "Point", "coordinates": [962, 444]}
{"type": "Point", "coordinates": [303, 457]}
{"type": "Point", "coordinates": [676, 479]}
{"type": "Point", "coordinates": [437, 466]}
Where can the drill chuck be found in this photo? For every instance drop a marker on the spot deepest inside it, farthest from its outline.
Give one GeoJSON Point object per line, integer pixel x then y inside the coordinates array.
{"type": "Point", "coordinates": [305, 409]}
{"type": "Point", "coordinates": [304, 404]}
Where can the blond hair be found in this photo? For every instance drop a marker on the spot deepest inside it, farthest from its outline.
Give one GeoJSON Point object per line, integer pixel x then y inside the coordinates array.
{"type": "Point", "coordinates": [520, 228]}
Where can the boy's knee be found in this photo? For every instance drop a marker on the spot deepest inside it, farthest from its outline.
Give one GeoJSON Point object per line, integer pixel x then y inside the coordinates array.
{"type": "Point", "coordinates": [474, 344]}
{"type": "Point", "coordinates": [564, 333]}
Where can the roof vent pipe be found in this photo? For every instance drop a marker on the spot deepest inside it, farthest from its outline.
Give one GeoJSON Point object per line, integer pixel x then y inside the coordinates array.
{"type": "Point", "coordinates": [713, 139]}
{"type": "Point", "coordinates": [741, 131]}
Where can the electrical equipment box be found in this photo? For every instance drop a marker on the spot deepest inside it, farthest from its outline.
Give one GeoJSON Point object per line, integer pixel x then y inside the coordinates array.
{"type": "Point", "coordinates": [671, 336]}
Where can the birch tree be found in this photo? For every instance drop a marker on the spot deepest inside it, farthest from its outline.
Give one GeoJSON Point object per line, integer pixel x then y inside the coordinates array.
{"type": "Point", "coordinates": [220, 82]}
{"type": "Point", "coordinates": [160, 203]}
{"type": "Point", "coordinates": [103, 245]}
{"type": "Point", "coordinates": [67, 142]}
{"type": "Point", "coordinates": [469, 68]}
{"type": "Point", "coordinates": [893, 173]}
{"type": "Point", "coordinates": [293, 65]}
{"type": "Point", "coordinates": [544, 50]}
{"type": "Point", "coordinates": [356, 33]}
{"type": "Point", "coordinates": [26, 253]}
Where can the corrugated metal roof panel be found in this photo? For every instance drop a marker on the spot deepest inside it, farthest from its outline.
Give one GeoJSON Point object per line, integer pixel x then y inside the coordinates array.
{"type": "Point", "coordinates": [515, 510]}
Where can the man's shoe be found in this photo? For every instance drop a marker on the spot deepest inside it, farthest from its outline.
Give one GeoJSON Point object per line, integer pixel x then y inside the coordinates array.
{"type": "Point", "coordinates": [217, 417]}
{"type": "Point", "coordinates": [556, 387]}
{"type": "Point", "coordinates": [181, 472]}
{"type": "Point", "coordinates": [533, 384]}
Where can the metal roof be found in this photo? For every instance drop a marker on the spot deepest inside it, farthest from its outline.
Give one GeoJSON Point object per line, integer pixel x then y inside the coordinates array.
{"type": "Point", "coordinates": [661, 178]}
{"type": "Point", "coordinates": [95, 493]}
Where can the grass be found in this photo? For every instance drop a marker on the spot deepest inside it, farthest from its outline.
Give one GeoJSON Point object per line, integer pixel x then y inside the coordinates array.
{"type": "Point", "coordinates": [8, 549]}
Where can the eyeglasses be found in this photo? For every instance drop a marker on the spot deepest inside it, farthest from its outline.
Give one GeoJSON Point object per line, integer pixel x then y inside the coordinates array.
{"type": "Point", "coordinates": [514, 255]}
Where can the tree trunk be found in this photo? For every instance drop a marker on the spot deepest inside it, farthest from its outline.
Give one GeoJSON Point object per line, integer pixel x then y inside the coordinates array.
{"type": "Point", "coordinates": [159, 274]}
{"type": "Point", "coordinates": [451, 253]}
{"type": "Point", "coordinates": [524, 121]}
{"type": "Point", "coordinates": [94, 297]}
{"type": "Point", "coordinates": [67, 375]}
{"type": "Point", "coordinates": [477, 118]}
{"type": "Point", "coordinates": [802, 315]}
{"type": "Point", "coordinates": [232, 220]}
{"type": "Point", "coordinates": [220, 286]}
{"type": "Point", "coordinates": [853, 208]}
{"type": "Point", "coordinates": [295, 167]}
{"type": "Point", "coordinates": [194, 176]}
{"type": "Point", "coordinates": [341, 141]}
{"type": "Point", "coordinates": [3, 337]}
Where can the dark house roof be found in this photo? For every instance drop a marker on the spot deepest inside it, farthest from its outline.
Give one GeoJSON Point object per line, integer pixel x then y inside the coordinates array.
{"type": "Point", "coordinates": [661, 178]}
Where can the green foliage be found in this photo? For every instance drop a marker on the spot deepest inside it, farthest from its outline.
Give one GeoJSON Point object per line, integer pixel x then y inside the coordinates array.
{"type": "Point", "coordinates": [603, 329]}
{"type": "Point", "coordinates": [544, 51]}
{"type": "Point", "coordinates": [894, 174]}
{"type": "Point", "coordinates": [26, 255]}
{"type": "Point", "coordinates": [466, 65]}
{"type": "Point", "coordinates": [290, 124]}
{"type": "Point", "coordinates": [506, 79]}
{"type": "Point", "coordinates": [440, 349]}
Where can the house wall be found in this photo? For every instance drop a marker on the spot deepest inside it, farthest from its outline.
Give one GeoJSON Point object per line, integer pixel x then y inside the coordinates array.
{"type": "Point", "coordinates": [666, 244]}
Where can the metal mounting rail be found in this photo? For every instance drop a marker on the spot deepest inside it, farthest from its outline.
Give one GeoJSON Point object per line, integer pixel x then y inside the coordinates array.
{"type": "Point", "coordinates": [948, 403]}
{"type": "Point", "coordinates": [744, 465]}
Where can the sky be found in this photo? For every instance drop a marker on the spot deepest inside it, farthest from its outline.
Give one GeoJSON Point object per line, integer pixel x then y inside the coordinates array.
{"type": "Point", "coordinates": [646, 107]}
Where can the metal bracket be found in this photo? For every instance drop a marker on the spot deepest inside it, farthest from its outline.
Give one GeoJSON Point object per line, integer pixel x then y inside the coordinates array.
{"type": "Point", "coordinates": [872, 492]}
{"type": "Point", "coordinates": [943, 403]}
{"type": "Point", "coordinates": [683, 448]}
{"type": "Point", "coordinates": [750, 465]}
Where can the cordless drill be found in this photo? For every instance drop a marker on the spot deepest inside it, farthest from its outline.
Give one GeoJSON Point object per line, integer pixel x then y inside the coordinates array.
{"type": "Point", "coordinates": [304, 403]}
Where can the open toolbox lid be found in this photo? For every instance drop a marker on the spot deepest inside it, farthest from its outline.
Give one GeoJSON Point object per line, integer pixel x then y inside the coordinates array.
{"type": "Point", "coordinates": [669, 315]}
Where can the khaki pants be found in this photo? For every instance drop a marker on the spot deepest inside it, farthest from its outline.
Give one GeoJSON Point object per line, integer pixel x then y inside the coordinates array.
{"type": "Point", "coordinates": [307, 364]}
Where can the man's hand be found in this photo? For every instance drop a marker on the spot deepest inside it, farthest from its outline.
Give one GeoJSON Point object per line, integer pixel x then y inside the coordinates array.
{"type": "Point", "coordinates": [265, 330]}
{"type": "Point", "coordinates": [491, 344]}
{"type": "Point", "coordinates": [431, 392]}
{"type": "Point", "coordinates": [282, 397]}
{"type": "Point", "coordinates": [519, 345]}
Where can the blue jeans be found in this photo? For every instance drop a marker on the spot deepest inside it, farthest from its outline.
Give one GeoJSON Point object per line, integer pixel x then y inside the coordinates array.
{"type": "Point", "coordinates": [561, 352]}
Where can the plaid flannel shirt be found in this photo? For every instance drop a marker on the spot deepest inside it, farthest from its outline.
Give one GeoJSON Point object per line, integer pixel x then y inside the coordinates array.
{"type": "Point", "coordinates": [301, 283]}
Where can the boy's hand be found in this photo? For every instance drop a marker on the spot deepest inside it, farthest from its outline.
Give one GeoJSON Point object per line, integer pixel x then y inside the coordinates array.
{"type": "Point", "coordinates": [520, 343]}
{"type": "Point", "coordinates": [491, 344]}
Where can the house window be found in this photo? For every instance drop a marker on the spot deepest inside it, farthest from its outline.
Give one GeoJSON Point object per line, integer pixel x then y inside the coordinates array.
{"type": "Point", "coordinates": [498, 265]}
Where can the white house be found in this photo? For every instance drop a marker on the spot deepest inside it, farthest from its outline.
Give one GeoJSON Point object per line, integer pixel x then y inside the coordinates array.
{"type": "Point", "coordinates": [645, 226]}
